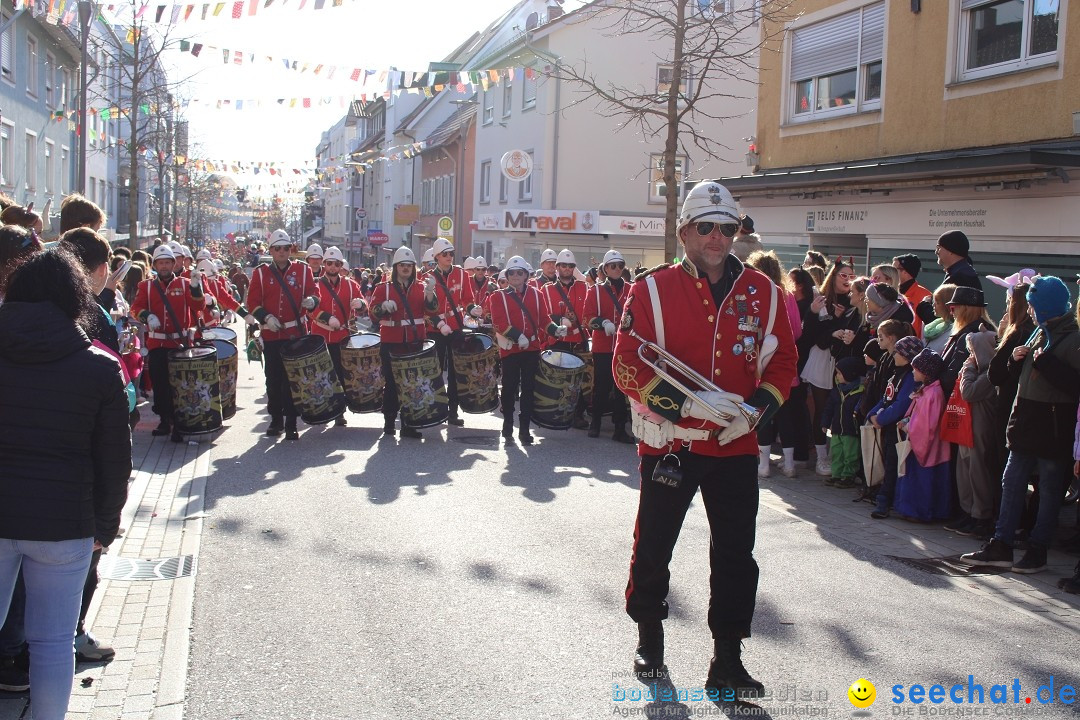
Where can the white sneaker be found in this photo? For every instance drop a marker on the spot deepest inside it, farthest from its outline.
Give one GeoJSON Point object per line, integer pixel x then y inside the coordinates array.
{"type": "Point", "coordinates": [763, 463]}
{"type": "Point", "coordinates": [824, 467]}
{"type": "Point", "coordinates": [789, 470]}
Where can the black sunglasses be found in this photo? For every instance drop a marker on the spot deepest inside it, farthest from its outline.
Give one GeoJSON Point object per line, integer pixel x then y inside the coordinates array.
{"type": "Point", "coordinates": [617, 264]}
{"type": "Point", "coordinates": [705, 229]}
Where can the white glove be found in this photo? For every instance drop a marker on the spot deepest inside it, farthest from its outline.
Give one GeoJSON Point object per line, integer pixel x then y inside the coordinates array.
{"type": "Point", "coordinates": [357, 304]}
{"type": "Point", "coordinates": [250, 319]}
{"type": "Point", "coordinates": [504, 342]}
{"type": "Point", "coordinates": [444, 328]}
{"type": "Point", "coordinates": [211, 301]}
{"type": "Point", "coordinates": [429, 285]}
{"type": "Point", "coordinates": [476, 311]}
{"type": "Point", "coordinates": [308, 303]}
{"type": "Point", "coordinates": [609, 327]}
{"type": "Point", "coordinates": [736, 429]}
{"type": "Point", "coordinates": [523, 341]}
{"type": "Point", "coordinates": [389, 306]}
{"type": "Point", "coordinates": [566, 322]}
{"type": "Point", "coordinates": [333, 323]}
{"type": "Point", "coordinates": [273, 324]}
{"type": "Point", "coordinates": [560, 332]}
{"type": "Point", "coordinates": [153, 322]}
{"type": "Point", "coordinates": [196, 279]}
{"type": "Point", "coordinates": [725, 402]}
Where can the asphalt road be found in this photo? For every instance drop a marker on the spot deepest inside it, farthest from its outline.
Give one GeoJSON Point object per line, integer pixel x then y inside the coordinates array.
{"type": "Point", "coordinates": [351, 576]}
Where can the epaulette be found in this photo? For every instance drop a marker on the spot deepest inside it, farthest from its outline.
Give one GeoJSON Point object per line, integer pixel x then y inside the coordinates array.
{"type": "Point", "coordinates": [649, 271]}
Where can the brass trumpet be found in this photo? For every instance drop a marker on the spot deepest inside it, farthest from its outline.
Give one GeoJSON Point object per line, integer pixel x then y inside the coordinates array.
{"type": "Point", "coordinates": [664, 359]}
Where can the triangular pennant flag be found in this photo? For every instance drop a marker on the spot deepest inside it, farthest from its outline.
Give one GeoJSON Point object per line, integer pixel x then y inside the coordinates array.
{"type": "Point", "coordinates": [493, 75]}
{"type": "Point", "coordinates": [239, 104]}
{"type": "Point", "coordinates": [187, 11]}
{"type": "Point", "coordinates": [253, 7]}
{"type": "Point", "coordinates": [205, 10]}
{"type": "Point", "coordinates": [184, 45]}
{"type": "Point", "coordinates": [225, 56]}
{"type": "Point", "coordinates": [320, 4]}
{"type": "Point", "coordinates": [196, 49]}
{"type": "Point", "coordinates": [307, 102]}
{"type": "Point", "coordinates": [238, 9]}
{"type": "Point", "coordinates": [238, 57]}
{"type": "Point", "coordinates": [218, 8]}
{"type": "Point", "coordinates": [355, 74]}
{"type": "Point", "coordinates": [159, 13]}
{"type": "Point", "coordinates": [175, 14]}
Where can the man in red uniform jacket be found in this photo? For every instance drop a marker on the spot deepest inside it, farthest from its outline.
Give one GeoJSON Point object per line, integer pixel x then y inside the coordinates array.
{"type": "Point", "coordinates": [725, 321]}
{"type": "Point", "coordinates": [516, 313]}
{"type": "Point", "coordinates": [604, 304]}
{"type": "Point", "coordinates": [281, 295]}
{"type": "Point", "coordinates": [340, 298]}
{"type": "Point", "coordinates": [567, 331]}
{"type": "Point", "coordinates": [478, 287]}
{"type": "Point", "coordinates": [448, 281]}
{"type": "Point", "coordinates": [168, 305]}
{"type": "Point", "coordinates": [399, 306]}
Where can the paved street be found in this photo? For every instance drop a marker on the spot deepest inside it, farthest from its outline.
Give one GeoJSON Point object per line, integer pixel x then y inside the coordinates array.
{"type": "Point", "coordinates": [350, 576]}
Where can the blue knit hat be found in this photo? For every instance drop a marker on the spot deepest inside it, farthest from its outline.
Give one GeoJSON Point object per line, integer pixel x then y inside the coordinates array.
{"type": "Point", "coordinates": [1049, 298]}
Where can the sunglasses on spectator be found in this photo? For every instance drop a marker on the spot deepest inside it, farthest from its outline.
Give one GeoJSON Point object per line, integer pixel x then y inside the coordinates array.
{"type": "Point", "coordinates": [446, 252]}
{"type": "Point", "coordinates": [617, 264]}
{"type": "Point", "coordinates": [516, 272]}
{"type": "Point", "coordinates": [846, 276]}
{"type": "Point", "coordinates": [705, 229]}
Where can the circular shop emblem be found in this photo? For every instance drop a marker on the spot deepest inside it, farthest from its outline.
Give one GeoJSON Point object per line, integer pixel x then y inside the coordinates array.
{"type": "Point", "coordinates": [516, 165]}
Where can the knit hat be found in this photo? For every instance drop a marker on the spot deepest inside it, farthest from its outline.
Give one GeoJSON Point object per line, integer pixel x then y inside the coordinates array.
{"type": "Point", "coordinates": [911, 264]}
{"type": "Point", "coordinates": [955, 242]}
{"type": "Point", "coordinates": [874, 296]}
{"type": "Point", "coordinates": [1048, 298]}
{"type": "Point", "coordinates": [873, 350]}
{"type": "Point", "coordinates": [908, 347]}
{"type": "Point", "coordinates": [852, 368]}
{"type": "Point", "coordinates": [929, 363]}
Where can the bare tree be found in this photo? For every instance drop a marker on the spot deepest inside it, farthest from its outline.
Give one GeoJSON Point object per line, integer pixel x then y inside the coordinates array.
{"type": "Point", "coordinates": [711, 48]}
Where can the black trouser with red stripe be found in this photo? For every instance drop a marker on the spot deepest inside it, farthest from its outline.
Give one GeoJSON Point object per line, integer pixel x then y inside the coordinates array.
{"type": "Point", "coordinates": [445, 351]}
{"type": "Point", "coordinates": [157, 361]}
{"type": "Point", "coordinates": [729, 491]}
{"type": "Point", "coordinates": [519, 371]}
{"type": "Point", "coordinates": [602, 400]}
{"type": "Point", "coordinates": [279, 400]}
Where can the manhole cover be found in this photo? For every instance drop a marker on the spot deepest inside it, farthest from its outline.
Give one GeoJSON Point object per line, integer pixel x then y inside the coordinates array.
{"type": "Point", "coordinates": [122, 568]}
{"type": "Point", "coordinates": [492, 440]}
{"type": "Point", "coordinates": [951, 566]}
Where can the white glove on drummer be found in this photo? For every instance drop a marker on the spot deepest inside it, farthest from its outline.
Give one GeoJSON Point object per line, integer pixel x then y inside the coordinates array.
{"type": "Point", "coordinates": [211, 301]}
{"type": "Point", "coordinates": [476, 311]}
{"type": "Point", "coordinates": [523, 341]}
{"type": "Point", "coordinates": [504, 342]}
{"type": "Point", "coordinates": [196, 279]}
{"type": "Point", "coordinates": [444, 328]}
{"type": "Point", "coordinates": [738, 427]}
{"type": "Point", "coordinates": [309, 303]}
{"type": "Point", "coordinates": [609, 327]}
{"type": "Point", "coordinates": [560, 332]}
{"type": "Point", "coordinates": [153, 322]}
{"type": "Point", "coordinates": [389, 306]}
{"type": "Point", "coordinates": [566, 322]}
{"type": "Point", "coordinates": [698, 405]}
{"type": "Point", "coordinates": [273, 324]}
{"type": "Point", "coordinates": [429, 285]}
{"type": "Point", "coordinates": [357, 304]}
{"type": "Point", "coordinates": [250, 319]}
{"type": "Point", "coordinates": [333, 323]}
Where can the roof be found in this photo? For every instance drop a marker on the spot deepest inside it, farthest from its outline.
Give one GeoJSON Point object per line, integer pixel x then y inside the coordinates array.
{"type": "Point", "coordinates": [450, 127]}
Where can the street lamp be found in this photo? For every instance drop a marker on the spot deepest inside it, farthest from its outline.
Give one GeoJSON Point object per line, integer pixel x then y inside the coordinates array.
{"type": "Point", "coordinates": [86, 15]}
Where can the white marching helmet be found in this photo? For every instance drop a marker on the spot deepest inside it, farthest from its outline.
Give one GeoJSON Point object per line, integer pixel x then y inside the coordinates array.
{"type": "Point", "coordinates": [548, 254]}
{"type": "Point", "coordinates": [332, 253]}
{"type": "Point", "coordinates": [481, 262]}
{"type": "Point", "coordinates": [403, 255]}
{"type": "Point", "coordinates": [613, 256]}
{"type": "Point", "coordinates": [708, 201]}
{"type": "Point", "coordinates": [314, 250]}
{"type": "Point", "coordinates": [566, 258]}
{"type": "Point", "coordinates": [441, 245]}
{"type": "Point", "coordinates": [470, 263]}
{"type": "Point", "coordinates": [207, 268]}
{"type": "Point", "coordinates": [163, 252]}
{"type": "Point", "coordinates": [219, 264]}
{"type": "Point", "coordinates": [187, 252]}
{"type": "Point", "coordinates": [518, 263]}
{"type": "Point", "coordinates": [279, 237]}
{"type": "Point", "coordinates": [428, 256]}
{"type": "Point", "coordinates": [177, 248]}
{"type": "Point", "coordinates": [203, 254]}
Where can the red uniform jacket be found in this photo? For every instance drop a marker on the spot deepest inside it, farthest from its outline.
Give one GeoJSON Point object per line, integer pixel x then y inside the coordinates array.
{"type": "Point", "coordinates": [508, 319]}
{"type": "Point", "coordinates": [396, 327]}
{"type": "Point", "coordinates": [266, 296]}
{"type": "Point", "coordinates": [184, 300]}
{"type": "Point", "coordinates": [540, 280]}
{"type": "Point", "coordinates": [473, 294]}
{"type": "Point", "coordinates": [599, 306]}
{"type": "Point", "coordinates": [720, 343]}
{"type": "Point", "coordinates": [347, 290]}
{"type": "Point", "coordinates": [447, 303]}
{"type": "Point", "coordinates": [558, 308]}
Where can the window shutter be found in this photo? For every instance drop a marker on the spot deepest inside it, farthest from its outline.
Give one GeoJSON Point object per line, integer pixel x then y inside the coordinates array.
{"type": "Point", "coordinates": [873, 33]}
{"type": "Point", "coordinates": [825, 47]}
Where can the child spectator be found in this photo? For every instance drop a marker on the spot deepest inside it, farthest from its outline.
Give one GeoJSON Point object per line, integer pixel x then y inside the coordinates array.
{"type": "Point", "coordinates": [924, 491]}
{"type": "Point", "coordinates": [840, 418]}
{"type": "Point", "coordinates": [977, 468]}
{"type": "Point", "coordinates": [936, 332]}
{"type": "Point", "coordinates": [889, 411]}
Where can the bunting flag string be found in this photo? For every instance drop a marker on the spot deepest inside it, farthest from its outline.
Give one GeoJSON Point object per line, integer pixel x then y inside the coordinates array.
{"type": "Point", "coordinates": [173, 14]}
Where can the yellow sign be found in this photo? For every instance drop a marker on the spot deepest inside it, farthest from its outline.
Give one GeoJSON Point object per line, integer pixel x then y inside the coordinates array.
{"type": "Point", "coordinates": [446, 226]}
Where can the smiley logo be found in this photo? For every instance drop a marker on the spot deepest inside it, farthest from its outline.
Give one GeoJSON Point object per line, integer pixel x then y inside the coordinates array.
{"type": "Point", "coordinates": [862, 693]}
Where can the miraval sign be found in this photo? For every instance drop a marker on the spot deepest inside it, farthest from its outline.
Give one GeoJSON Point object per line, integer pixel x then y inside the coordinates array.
{"type": "Point", "coordinates": [543, 221]}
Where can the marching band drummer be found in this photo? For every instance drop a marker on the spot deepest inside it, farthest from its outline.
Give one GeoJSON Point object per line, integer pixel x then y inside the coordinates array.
{"type": "Point", "coordinates": [726, 322]}
{"type": "Point", "coordinates": [340, 298]}
{"type": "Point", "coordinates": [547, 270]}
{"type": "Point", "coordinates": [399, 305]}
{"type": "Point", "coordinates": [516, 312]}
{"type": "Point", "coordinates": [314, 259]}
{"type": "Point", "coordinates": [603, 312]}
{"type": "Point", "coordinates": [219, 298]}
{"type": "Point", "coordinates": [477, 288]}
{"type": "Point", "coordinates": [167, 304]}
{"type": "Point", "coordinates": [566, 307]}
{"type": "Point", "coordinates": [448, 281]}
{"type": "Point", "coordinates": [281, 294]}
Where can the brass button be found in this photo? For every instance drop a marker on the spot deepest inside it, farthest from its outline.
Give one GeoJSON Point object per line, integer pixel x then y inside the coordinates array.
{"type": "Point", "coordinates": [717, 353]}
{"type": "Point", "coordinates": [704, 302]}
{"type": "Point", "coordinates": [712, 319]}
{"type": "Point", "coordinates": [719, 338]}
{"type": "Point", "coordinates": [716, 372]}
{"type": "Point", "coordinates": [699, 286]}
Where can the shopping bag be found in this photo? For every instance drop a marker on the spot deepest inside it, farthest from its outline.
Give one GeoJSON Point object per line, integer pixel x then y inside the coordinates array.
{"type": "Point", "coordinates": [820, 368]}
{"type": "Point", "coordinates": [903, 449]}
{"type": "Point", "coordinates": [872, 455]}
{"type": "Point", "coordinates": [956, 420]}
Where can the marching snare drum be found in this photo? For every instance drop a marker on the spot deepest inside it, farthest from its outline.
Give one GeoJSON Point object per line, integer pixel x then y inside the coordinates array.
{"type": "Point", "coordinates": [558, 386]}
{"type": "Point", "coordinates": [475, 362]}
{"type": "Point", "coordinates": [194, 378]}
{"type": "Point", "coordinates": [420, 386]}
{"type": "Point", "coordinates": [313, 382]}
{"type": "Point", "coordinates": [362, 366]}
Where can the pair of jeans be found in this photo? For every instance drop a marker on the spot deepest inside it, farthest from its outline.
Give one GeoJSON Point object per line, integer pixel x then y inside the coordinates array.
{"type": "Point", "coordinates": [1014, 483]}
{"type": "Point", "coordinates": [54, 573]}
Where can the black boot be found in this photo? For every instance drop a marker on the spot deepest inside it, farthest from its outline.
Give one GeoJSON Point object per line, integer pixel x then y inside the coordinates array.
{"type": "Point", "coordinates": [276, 426]}
{"type": "Point", "coordinates": [163, 428]}
{"type": "Point", "coordinates": [524, 436]}
{"type": "Point", "coordinates": [623, 437]}
{"type": "Point", "coordinates": [594, 426]}
{"type": "Point", "coordinates": [508, 428]}
{"type": "Point", "coordinates": [290, 429]}
{"type": "Point", "coordinates": [727, 674]}
{"type": "Point", "coordinates": [649, 659]}
{"type": "Point", "coordinates": [1071, 585]}
{"type": "Point", "coordinates": [409, 432]}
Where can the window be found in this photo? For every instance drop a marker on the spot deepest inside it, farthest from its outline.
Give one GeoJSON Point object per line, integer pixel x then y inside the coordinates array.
{"type": "Point", "coordinates": [525, 186]}
{"type": "Point", "coordinates": [489, 106]}
{"type": "Point", "coordinates": [504, 188]}
{"type": "Point", "coordinates": [7, 153]}
{"type": "Point", "coordinates": [62, 183]}
{"type": "Point", "coordinates": [657, 187]}
{"type": "Point", "coordinates": [50, 167]}
{"type": "Point", "coordinates": [508, 98]}
{"type": "Point", "coordinates": [485, 181]}
{"type": "Point", "coordinates": [998, 36]}
{"type": "Point", "coordinates": [713, 9]}
{"type": "Point", "coordinates": [110, 204]}
{"type": "Point", "coordinates": [90, 186]}
{"type": "Point", "coordinates": [836, 65]}
{"type": "Point", "coordinates": [50, 77]}
{"type": "Point", "coordinates": [101, 192]}
{"type": "Point", "coordinates": [665, 75]}
{"type": "Point", "coordinates": [31, 67]}
{"type": "Point", "coordinates": [7, 50]}
{"type": "Point", "coordinates": [528, 89]}
{"type": "Point", "coordinates": [30, 161]}
{"type": "Point", "coordinates": [425, 197]}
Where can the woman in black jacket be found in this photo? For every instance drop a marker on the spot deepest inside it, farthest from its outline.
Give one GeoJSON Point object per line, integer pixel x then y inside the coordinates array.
{"type": "Point", "coordinates": [65, 459]}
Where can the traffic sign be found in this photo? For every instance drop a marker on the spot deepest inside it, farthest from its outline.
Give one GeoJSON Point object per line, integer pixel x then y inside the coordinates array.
{"type": "Point", "coordinates": [361, 213]}
{"type": "Point", "coordinates": [446, 226]}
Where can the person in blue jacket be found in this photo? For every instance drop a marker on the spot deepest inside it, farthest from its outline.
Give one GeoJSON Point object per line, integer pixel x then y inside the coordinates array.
{"type": "Point", "coordinates": [892, 408]}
